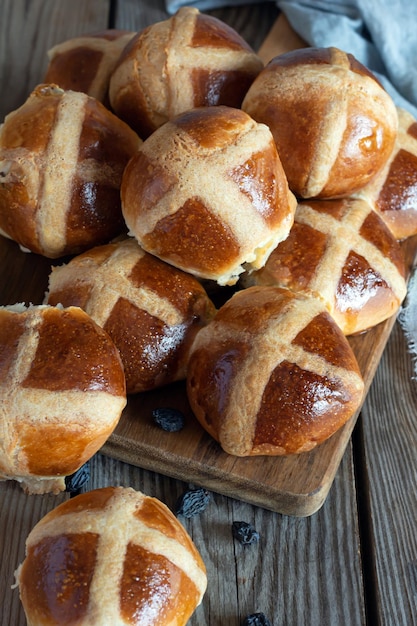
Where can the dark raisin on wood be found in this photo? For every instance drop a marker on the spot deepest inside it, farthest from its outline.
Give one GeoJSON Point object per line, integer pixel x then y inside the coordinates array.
{"type": "Point", "coordinates": [192, 502]}
{"type": "Point", "coordinates": [171, 420]}
{"type": "Point", "coordinates": [244, 532]}
{"type": "Point", "coordinates": [256, 619]}
{"type": "Point", "coordinates": [78, 479]}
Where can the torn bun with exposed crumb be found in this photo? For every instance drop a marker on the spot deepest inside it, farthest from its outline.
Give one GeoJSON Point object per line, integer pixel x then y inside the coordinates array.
{"type": "Point", "coordinates": [189, 60]}
{"type": "Point", "coordinates": [62, 156]}
{"type": "Point", "coordinates": [151, 310]}
{"type": "Point", "coordinates": [206, 193]}
{"type": "Point", "coordinates": [62, 390]}
{"type": "Point", "coordinates": [110, 556]}
{"type": "Point", "coordinates": [272, 374]}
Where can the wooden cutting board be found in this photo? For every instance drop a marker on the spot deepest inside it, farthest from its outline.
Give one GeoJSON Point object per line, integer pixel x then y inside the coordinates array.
{"type": "Point", "coordinates": [294, 485]}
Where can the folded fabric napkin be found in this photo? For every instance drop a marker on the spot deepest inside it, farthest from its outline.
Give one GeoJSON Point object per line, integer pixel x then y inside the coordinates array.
{"type": "Point", "coordinates": [382, 36]}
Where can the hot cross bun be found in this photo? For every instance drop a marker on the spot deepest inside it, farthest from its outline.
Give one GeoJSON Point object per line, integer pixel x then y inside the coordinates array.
{"type": "Point", "coordinates": [189, 60]}
{"type": "Point", "coordinates": [206, 193]}
{"type": "Point", "coordinates": [111, 556]}
{"type": "Point", "coordinates": [393, 193]}
{"type": "Point", "coordinates": [151, 310]}
{"type": "Point", "coordinates": [62, 393]}
{"type": "Point", "coordinates": [342, 252]}
{"type": "Point", "coordinates": [272, 374]}
{"type": "Point", "coordinates": [85, 63]}
{"type": "Point", "coordinates": [62, 155]}
{"type": "Point", "coordinates": [333, 123]}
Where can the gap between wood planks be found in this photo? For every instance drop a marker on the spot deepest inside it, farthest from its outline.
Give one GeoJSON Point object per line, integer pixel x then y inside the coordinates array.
{"type": "Point", "coordinates": [366, 535]}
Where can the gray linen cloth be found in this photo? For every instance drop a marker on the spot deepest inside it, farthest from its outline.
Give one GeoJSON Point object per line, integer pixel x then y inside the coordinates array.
{"type": "Point", "coordinates": [382, 35]}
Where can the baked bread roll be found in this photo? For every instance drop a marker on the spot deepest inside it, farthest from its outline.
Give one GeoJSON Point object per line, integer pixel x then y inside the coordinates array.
{"type": "Point", "coordinates": [342, 252]}
{"type": "Point", "coordinates": [206, 193]}
{"type": "Point", "coordinates": [62, 155]}
{"type": "Point", "coordinates": [151, 310]}
{"type": "Point", "coordinates": [187, 61]}
{"type": "Point", "coordinates": [110, 556]}
{"type": "Point", "coordinates": [333, 123]}
{"type": "Point", "coordinates": [62, 390]}
{"type": "Point", "coordinates": [272, 374]}
{"type": "Point", "coordinates": [85, 63]}
{"type": "Point", "coordinates": [393, 192]}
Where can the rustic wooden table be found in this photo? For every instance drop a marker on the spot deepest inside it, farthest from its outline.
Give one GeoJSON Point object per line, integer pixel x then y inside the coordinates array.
{"type": "Point", "coordinates": [354, 561]}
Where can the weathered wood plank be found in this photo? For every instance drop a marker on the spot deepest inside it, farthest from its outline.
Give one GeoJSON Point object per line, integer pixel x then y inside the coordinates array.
{"type": "Point", "coordinates": [389, 431]}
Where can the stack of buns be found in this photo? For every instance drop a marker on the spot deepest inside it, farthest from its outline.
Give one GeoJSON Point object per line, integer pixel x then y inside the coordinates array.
{"type": "Point", "coordinates": [212, 169]}
{"type": "Point", "coordinates": [169, 164]}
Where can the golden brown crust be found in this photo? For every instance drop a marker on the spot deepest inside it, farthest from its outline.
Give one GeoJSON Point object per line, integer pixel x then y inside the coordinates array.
{"type": "Point", "coordinates": [342, 252]}
{"type": "Point", "coordinates": [230, 223]}
{"type": "Point", "coordinates": [393, 192]}
{"type": "Point", "coordinates": [63, 391]}
{"type": "Point", "coordinates": [112, 555]}
{"type": "Point", "coordinates": [333, 123]}
{"type": "Point", "coordinates": [272, 374]}
{"type": "Point", "coordinates": [151, 310]}
{"type": "Point", "coordinates": [187, 61]}
{"type": "Point", "coordinates": [62, 155]}
{"type": "Point", "coordinates": [85, 63]}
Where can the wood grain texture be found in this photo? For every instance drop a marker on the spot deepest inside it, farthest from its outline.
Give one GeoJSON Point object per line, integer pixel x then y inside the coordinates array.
{"type": "Point", "coordinates": [389, 432]}
{"type": "Point", "coordinates": [302, 571]}
{"type": "Point", "coordinates": [305, 570]}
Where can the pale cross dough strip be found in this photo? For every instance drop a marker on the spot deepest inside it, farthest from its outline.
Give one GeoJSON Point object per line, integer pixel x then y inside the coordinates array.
{"type": "Point", "coordinates": [268, 350]}
{"type": "Point", "coordinates": [117, 525]}
{"type": "Point", "coordinates": [343, 236]}
{"type": "Point", "coordinates": [104, 296]}
{"type": "Point", "coordinates": [218, 185]}
{"type": "Point", "coordinates": [25, 353]}
{"type": "Point", "coordinates": [61, 162]}
{"type": "Point", "coordinates": [333, 126]}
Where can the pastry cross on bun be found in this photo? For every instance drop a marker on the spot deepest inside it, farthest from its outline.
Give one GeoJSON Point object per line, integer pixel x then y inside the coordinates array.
{"type": "Point", "coordinates": [62, 390]}
{"type": "Point", "coordinates": [206, 193]}
{"type": "Point", "coordinates": [333, 123]}
{"type": "Point", "coordinates": [342, 252]}
{"type": "Point", "coordinates": [189, 60]}
{"type": "Point", "coordinates": [272, 374]}
{"type": "Point", "coordinates": [112, 556]}
{"type": "Point", "coordinates": [62, 156]}
{"type": "Point", "coordinates": [85, 63]}
{"type": "Point", "coordinates": [393, 192]}
{"type": "Point", "coordinates": [151, 310]}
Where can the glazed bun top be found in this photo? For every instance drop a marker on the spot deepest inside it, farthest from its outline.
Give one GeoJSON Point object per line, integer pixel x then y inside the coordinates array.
{"type": "Point", "coordinates": [333, 123]}
{"type": "Point", "coordinates": [110, 556]}
{"type": "Point", "coordinates": [62, 156]}
{"type": "Point", "coordinates": [206, 192]}
{"type": "Point", "coordinates": [189, 60]}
